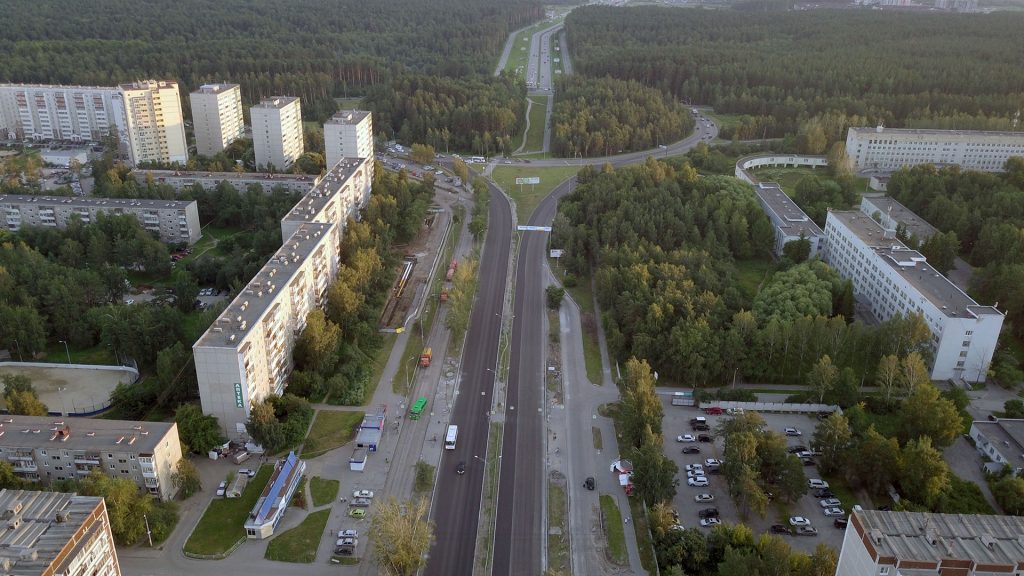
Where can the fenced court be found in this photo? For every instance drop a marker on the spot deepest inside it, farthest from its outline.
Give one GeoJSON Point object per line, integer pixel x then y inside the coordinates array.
{"type": "Point", "coordinates": [73, 389]}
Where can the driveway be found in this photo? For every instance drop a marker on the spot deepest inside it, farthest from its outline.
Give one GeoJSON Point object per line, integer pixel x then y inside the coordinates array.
{"type": "Point", "coordinates": [964, 461]}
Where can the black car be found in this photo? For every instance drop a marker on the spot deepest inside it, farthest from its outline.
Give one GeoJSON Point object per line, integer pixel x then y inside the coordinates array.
{"type": "Point", "coordinates": [823, 493]}
{"type": "Point", "coordinates": [704, 438]}
{"type": "Point", "coordinates": [840, 523]}
{"type": "Point", "coordinates": [780, 529]}
{"type": "Point", "coordinates": [700, 427]}
{"type": "Point", "coordinates": [809, 462]}
{"type": "Point", "coordinates": [461, 468]}
{"type": "Point", "coordinates": [691, 450]}
{"type": "Point", "coordinates": [708, 513]}
{"type": "Point", "coordinates": [589, 483]}
{"type": "Point", "coordinates": [797, 448]}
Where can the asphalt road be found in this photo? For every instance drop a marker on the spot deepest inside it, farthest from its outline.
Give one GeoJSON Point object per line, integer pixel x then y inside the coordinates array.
{"type": "Point", "coordinates": [456, 505]}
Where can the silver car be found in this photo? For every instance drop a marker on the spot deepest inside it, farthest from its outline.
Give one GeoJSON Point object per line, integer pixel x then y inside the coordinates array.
{"type": "Point", "coordinates": [360, 502]}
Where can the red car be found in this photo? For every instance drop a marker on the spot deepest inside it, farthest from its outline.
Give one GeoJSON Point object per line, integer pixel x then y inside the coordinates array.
{"type": "Point", "coordinates": [713, 411]}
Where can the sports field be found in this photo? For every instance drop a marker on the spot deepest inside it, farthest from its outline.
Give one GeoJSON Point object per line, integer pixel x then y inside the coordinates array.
{"type": "Point", "coordinates": [68, 389]}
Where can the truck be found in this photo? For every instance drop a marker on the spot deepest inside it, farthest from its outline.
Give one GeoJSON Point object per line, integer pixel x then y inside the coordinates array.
{"type": "Point", "coordinates": [444, 294]}
{"type": "Point", "coordinates": [240, 457]}
{"type": "Point", "coordinates": [426, 357]}
{"type": "Point", "coordinates": [684, 399]}
{"type": "Point", "coordinates": [451, 270]}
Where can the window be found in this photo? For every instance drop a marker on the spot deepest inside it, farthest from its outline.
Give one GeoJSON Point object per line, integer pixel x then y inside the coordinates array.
{"type": "Point", "coordinates": [960, 364]}
{"type": "Point", "coordinates": [883, 571]}
{"type": "Point", "coordinates": [963, 354]}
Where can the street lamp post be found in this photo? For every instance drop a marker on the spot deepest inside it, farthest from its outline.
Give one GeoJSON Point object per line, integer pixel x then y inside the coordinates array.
{"type": "Point", "coordinates": [66, 349]}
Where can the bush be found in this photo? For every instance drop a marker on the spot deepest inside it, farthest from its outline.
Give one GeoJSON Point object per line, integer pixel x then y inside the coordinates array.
{"type": "Point", "coordinates": [570, 281]}
{"type": "Point", "coordinates": [963, 497]}
{"type": "Point", "coordinates": [1009, 493]}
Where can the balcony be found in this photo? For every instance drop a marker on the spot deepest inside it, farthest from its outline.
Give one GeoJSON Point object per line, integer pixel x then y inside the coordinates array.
{"type": "Point", "coordinates": [20, 456]}
{"type": "Point", "coordinates": [89, 460]}
{"type": "Point", "coordinates": [26, 467]}
{"type": "Point", "coordinates": [151, 482]}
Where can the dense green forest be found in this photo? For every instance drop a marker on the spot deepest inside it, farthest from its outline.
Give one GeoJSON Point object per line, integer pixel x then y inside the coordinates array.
{"type": "Point", "coordinates": [601, 116]}
{"type": "Point", "coordinates": [824, 70]}
{"type": "Point", "coordinates": [314, 49]}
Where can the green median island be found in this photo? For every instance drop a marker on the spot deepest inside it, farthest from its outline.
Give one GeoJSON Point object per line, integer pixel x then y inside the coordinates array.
{"type": "Point", "coordinates": [324, 490]}
{"type": "Point", "coordinates": [221, 526]}
{"type": "Point", "coordinates": [614, 531]}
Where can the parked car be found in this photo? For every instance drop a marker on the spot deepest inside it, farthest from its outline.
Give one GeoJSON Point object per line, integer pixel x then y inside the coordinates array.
{"type": "Point", "coordinates": [808, 462]}
{"type": "Point", "coordinates": [799, 521]}
{"type": "Point", "coordinates": [704, 438]}
{"type": "Point", "coordinates": [698, 420]}
{"type": "Point", "coordinates": [247, 472]}
{"type": "Point", "coordinates": [691, 450]}
{"type": "Point", "coordinates": [833, 512]}
{"type": "Point", "coordinates": [793, 432]}
{"type": "Point", "coordinates": [807, 531]}
{"type": "Point", "coordinates": [348, 533]}
{"type": "Point", "coordinates": [686, 438]}
{"type": "Point", "coordinates": [222, 487]}
{"type": "Point", "coordinates": [695, 473]}
{"type": "Point", "coordinates": [780, 529]}
{"type": "Point", "coordinates": [357, 512]}
{"type": "Point", "coordinates": [700, 427]}
{"type": "Point", "coordinates": [704, 497]}
{"type": "Point", "coordinates": [823, 493]}
{"type": "Point", "coordinates": [589, 483]}
{"type": "Point", "coordinates": [840, 523]}
{"type": "Point", "coordinates": [830, 503]}
{"type": "Point", "coordinates": [691, 467]}
{"type": "Point", "coordinates": [360, 502]}
{"type": "Point", "coordinates": [347, 541]}
{"type": "Point", "coordinates": [712, 462]}
{"type": "Point", "coordinates": [797, 448]}
{"type": "Point", "coordinates": [708, 513]}
{"type": "Point", "coordinates": [709, 522]}
{"type": "Point", "coordinates": [344, 550]}
{"type": "Point", "coordinates": [698, 482]}
{"type": "Point", "coordinates": [362, 494]}
{"type": "Point", "coordinates": [816, 483]}
{"type": "Point", "coordinates": [713, 410]}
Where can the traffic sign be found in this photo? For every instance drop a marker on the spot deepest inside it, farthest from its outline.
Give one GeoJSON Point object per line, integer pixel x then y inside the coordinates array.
{"type": "Point", "coordinates": [534, 228]}
{"type": "Point", "coordinates": [529, 180]}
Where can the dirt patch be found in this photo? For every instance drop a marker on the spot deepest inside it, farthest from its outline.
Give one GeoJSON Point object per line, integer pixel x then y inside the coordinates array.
{"type": "Point", "coordinates": [69, 389]}
{"type": "Point", "coordinates": [413, 275]}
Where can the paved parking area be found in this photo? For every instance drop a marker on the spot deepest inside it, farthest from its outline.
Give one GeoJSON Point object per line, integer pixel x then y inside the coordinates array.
{"type": "Point", "coordinates": [677, 421]}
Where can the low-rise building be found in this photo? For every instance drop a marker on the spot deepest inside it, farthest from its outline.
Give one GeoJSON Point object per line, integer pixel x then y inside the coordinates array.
{"type": "Point", "coordinates": [45, 449]}
{"type": "Point", "coordinates": [788, 221]}
{"type": "Point", "coordinates": [273, 502]}
{"type": "Point", "coordinates": [889, 149]}
{"type": "Point", "coordinates": [894, 216]}
{"type": "Point", "coordinates": [1002, 441]}
{"type": "Point", "coordinates": [878, 543]}
{"type": "Point", "coordinates": [173, 221]}
{"type": "Point", "coordinates": [242, 181]}
{"type": "Point", "coordinates": [56, 534]}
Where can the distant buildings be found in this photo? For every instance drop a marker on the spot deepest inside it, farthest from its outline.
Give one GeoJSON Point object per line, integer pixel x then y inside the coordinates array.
{"type": "Point", "coordinates": [40, 112]}
{"type": "Point", "coordinates": [174, 221]}
{"type": "Point", "coordinates": [348, 134]}
{"type": "Point", "coordinates": [216, 117]}
{"type": "Point", "coordinates": [277, 132]}
{"type": "Point", "coordinates": [56, 534]}
{"type": "Point", "coordinates": [153, 128]}
{"type": "Point", "coordinates": [898, 280]}
{"type": "Point", "coordinates": [880, 543]}
{"type": "Point", "coordinates": [889, 149]}
{"type": "Point", "coordinates": [44, 449]}
{"type": "Point", "coordinates": [1002, 442]}
{"type": "Point", "coordinates": [181, 179]}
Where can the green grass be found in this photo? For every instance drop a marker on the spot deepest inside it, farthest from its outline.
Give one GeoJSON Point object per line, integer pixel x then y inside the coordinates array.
{"type": "Point", "coordinates": [300, 543]}
{"type": "Point", "coordinates": [379, 362]}
{"type": "Point", "coordinates": [723, 120]}
{"type": "Point", "coordinates": [424, 481]}
{"type": "Point", "coordinates": [324, 490]}
{"type": "Point", "coordinates": [963, 497]}
{"type": "Point", "coordinates": [349, 103]}
{"type": "Point", "coordinates": [331, 429]}
{"type": "Point", "coordinates": [485, 535]}
{"type": "Point", "coordinates": [221, 525]}
{"type": "Point", "coordinates": [529, 197]}
{"type": "Point", "coordinates": [841, 488]}
{"type": "Point", "coordinates": [558, 544]}
{"type": "Point", "coordinates": [613, 531]}
{"type": "Point", "coordinates": [535, 136]}
{"type": "Point", "coordinates": [596, 433]}
{"type": "Point", "coordinates": [644, 542]}
{"type": "Point", "coordinates": [789, 176]}
{"type": "Point", "coordinates": [516, 63]}
{"type": "Point", "coordinates": [56, 353]}
{"type": "Point", "coordinates": [885, 424]}
{"type": "Point", "coordinates": [752, 275]}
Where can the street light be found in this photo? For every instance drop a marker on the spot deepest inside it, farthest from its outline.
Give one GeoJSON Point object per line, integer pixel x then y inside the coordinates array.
{"type": "Point", "coordinates": [65, 343]}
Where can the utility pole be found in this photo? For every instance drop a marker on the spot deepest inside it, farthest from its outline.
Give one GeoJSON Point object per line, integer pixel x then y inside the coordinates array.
{"type": "Point", "coordinates": [149, 535]}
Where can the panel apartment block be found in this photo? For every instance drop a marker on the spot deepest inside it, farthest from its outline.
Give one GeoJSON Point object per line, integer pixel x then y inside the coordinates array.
{"type": "Point", "coordinates": [153, 127]}
{"type": "Point", "coordinates": [216, 117]}
{"type": "Point", "coordinates": [348, 134]}
{"type": "Point", "coordinates": [339, 195]}
{"type": "Point", "coordinates": [46, 449]}
{"type": "Point", "coordinates": [889, 149]}
{"type": "Point", "coordinates": [898, 280]}
{"type": "Point", "coordinates": [56, 534]}
{"type": "Point", "coordinates": [277, 132]}
{"type": "Point", "coordinates": [788, 221]}
{"type": "Point", "coordinates": [246, 355]}
{"type": "Point", "coordinates": [40, 112]}
{"type": "Point", "coordinates": [173, 221]}
{"type": "Point", "coordinates": [181, 179]}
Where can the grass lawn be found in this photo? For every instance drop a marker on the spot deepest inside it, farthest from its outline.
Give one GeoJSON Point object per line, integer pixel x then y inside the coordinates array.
{"type": "Point", "coordinates": [485, 538]}
{"type": "Point", "coordinates": [558, 544]}
{"type": "Point", "coordinates": [300, 543]}
{"type": "Point", "coordinates": [789, 177]}
{"type": "Point", "coordinates": [516, 63]}
{"type": "Point", "coordinates": [56, 353]}
{"type": "Point", "coordinates": [886, 424]}
{"type": "Point", "coordinates": [380, 360]}
{"type": "Point", "coordinates": [424, 481]}
{"type": "Point", "coordinates": [349, 103]}
{"type": "Point", "coordinates": [644, 542]}
{"type": "Point", "coordinates": [596, 433]}
{"type": "Point", "coordinates": [530, 196]}
{"type": "Point", "coordinates": [331, 429]}
{"type": "Point", "coordinates": [842, 490]}
{"type": "Point", "coordinates": [535, 137]}
{"type": "Point", "coordinates": [613, 531]}
{"type": "Point", "coordinates": [752, 275]}
{"type": "Point", "coordinates": [723, 120]}
{"type": "Point", "coordinates": [324, 490]}
{"type": "Point", "coordinates": [221, 525]}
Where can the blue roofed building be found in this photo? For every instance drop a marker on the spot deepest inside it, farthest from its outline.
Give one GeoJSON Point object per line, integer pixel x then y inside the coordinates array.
{"type": "Point", "coordinates": [273, 502]}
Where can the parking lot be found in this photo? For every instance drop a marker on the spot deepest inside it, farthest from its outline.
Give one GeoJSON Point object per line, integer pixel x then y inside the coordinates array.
{"type": "Point", "coordinates": [677, 422]}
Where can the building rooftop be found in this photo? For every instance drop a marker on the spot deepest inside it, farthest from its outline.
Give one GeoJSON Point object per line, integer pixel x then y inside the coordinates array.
{"type": "Point", "coordinates": [49, 523]}
{"type": "Point", "coordinates": [106, 203]}
{"type": "Point", "coordinates": [277, 102]}
{"type": "Point", "coordinates": [931, 132]}
{"type": "Point", "coordinates": [252, 303]}
{"type": "Point", "coordinates": [90, 434]}
{"type": "Point", "coordinates": [912, 266]}
{"type": "Point", "coordinates": [348, 117]}
{"type": "Point", "coordinates": [927, 537]}
{"type": "Point", "coordinates": [148, 84]}
{"type": "Point", "coordinates": [329, 185]}
{"type": "Point", "coordinates": [914, 224]}
{"type": "Point", "coordinates": [1008, 434]}
{"type": "Point", "coordinates": [273, 494]}
{"type": "Point", "coordinates": [797, 222]}
{"type": "Point", "coordinates": [230, 176]}
{"type": "Point", "coordinates": [214, 88]}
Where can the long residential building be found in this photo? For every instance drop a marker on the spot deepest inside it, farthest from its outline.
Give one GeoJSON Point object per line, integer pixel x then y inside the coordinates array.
{"type": "Point", "coordinates": [174, 221]}
{"type": "Point", "coordinates": [348, 134]}
{"type": "Point", "coordinates": [277, 132]}
{"type": "Point", "coordinates": [41, 112]}
{"type": "Point", "coordinates": [216, 117]}
{"type": "Point", "coordinates": [45, 449]}
{"type": "Point", "coordinates": [889, 149]}
{"type": "Point", "coordinates": [154, 128]}
{"type": "Point", "coordinates": [898, 280]}
{"type": "Point", "coordinates": [878, 543]}
{"type": "Point", "coordinates": [181, 179]}
{"type": "Point", "coordinates": [789, 222]}
{"type": "Point", "coordinates": [339, 195]}
{"type": "Point", "coordinates": [56, 534]}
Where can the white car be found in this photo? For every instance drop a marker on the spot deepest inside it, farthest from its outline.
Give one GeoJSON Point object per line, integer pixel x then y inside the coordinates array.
{"type": "Point", "coordinates": [834, 512]}
{"type": "Point", "coordinates": [362, 494]}
{"type": "Point", "coordinates": [799, 521]}
{"type": "Point", "coordinates": [348, 534]}
{"type": "Point", "coordinates": [710, 462]}
{"type": "Point", "coordinates": [698, 482]}
{"type": "Point", "coordinates": [816, 483]}
{"type": "Point", "coordinates": [222, 487]}
{"type": "Point", "coordinates": [705, 497]}
{"type": "Point", "coordinates": [247, 472]}
{"type": "Point", "coordinates": [690, 467]}
{"type": "Point", "coordinates": [793, 432]}
{"type": "Point", "coordinates": [695, 474]}
{"type": "Point", "coordinates": [709, 522]}
{"type": "Point", "coordinates": [686, 438]}
{"type": "Point", "coordinates": [830, 503]}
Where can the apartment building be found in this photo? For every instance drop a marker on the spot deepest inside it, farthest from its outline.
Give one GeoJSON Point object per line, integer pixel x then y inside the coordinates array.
{"type": "Point", "coordinates": [246, 355]}
{"type": "Point", "coordinates": [216, 117]}
{"type": "Point", "coordinates": [339, 195]}
{"type": "Point", "coordinates": [242, 181]}
{"type": "Point", "coordinates": [40, 112]}
{"type": "Point", "coordinates": [277, 132]}
{"type": "Point", "coordinates": [348, 134]}
{"type": "Point", "coordinates": [173, 221]}
{"type": "Point", "coordinates": [878, 543]}
{"type": "Point", "coordinates": [56, 534]}
{"type": "Point", "coordinates": [897, 280]}
{"type": "Point", "coordinates": [788, 221]}
{"type": "Point", "coordinates": [46, 448]}
{"type": "Point", "coordinates": [153, 128]}
{"type": "Point", "coordinates": [889, 149]}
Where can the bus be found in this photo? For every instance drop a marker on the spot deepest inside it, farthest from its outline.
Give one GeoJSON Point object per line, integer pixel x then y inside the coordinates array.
{"type": "Point", "coordinates": [449, 439]}
{"type": "Point", "coordinates": [417, 408]}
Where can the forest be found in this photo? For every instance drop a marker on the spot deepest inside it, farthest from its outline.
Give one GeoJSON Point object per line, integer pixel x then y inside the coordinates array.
{"type": "Point", "coordinates": [602, 116]}
{"type": "Point", "coordinates": [314, 49]}
{"type": "Point", "coordinates": [785, 72]}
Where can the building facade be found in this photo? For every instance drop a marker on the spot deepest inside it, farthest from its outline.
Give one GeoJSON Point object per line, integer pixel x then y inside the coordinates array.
{"type": "Point", "coordinates": [339, 195]}
{"type": "Point", "coordinates": [44, 449]}
{"type": "Point", "coordinates": [277, 132]}
{"type": "Point", "coordinates": [40, 112]}
{"type": "Point", "coordinates": [348, 134]}
{"type": "Point", "coordinates": [56, 534]}
{"type": "Point", "coordinates": [880, 543]}
{"type": "Point", "coordinates": [181, 179]}
{"type": "Point", "coordinates": [889, 149]}
{"type": "Point", "coordinates": [153, 128]}
{"type": "Point", "coordinates": [216, 117]}
{"type": "Point", "coordinates": [898, 280]}
{"type": "Point", "coordinates": [173, 221]}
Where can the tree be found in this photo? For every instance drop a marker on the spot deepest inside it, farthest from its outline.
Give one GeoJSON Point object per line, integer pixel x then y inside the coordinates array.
{"type": "Point", "coordinates": [8, 479]}
{"type": "Point", "coordinates": [199, 431]}
{"type": "Point", "coordinates": [797, 251]}
{"type": "Point", "coordinates": [941, 250]}
{"type": "Point", "coordinates": [888, 375]}
{"type": "Point", "coordinates": [554, 296]}
{"type": "Point", "coordinates": [832, 439]}
{"type": "Point", "coordinates": [423, 153]}
{"type": "Point", "coordinates": [876, 462]}
{"type": "Point", "coordinates": [20, 396]}
{"type": "Point", "coordinates": [640, 408]}
{"type": "Point", "coordinates": [185, 291]}
{"type": "Point", "coordinates": [460, 169]}
{"type": "Point", "coordinates": [822, 377]}
{"type": "Point", "coordinates": [126, 506]}
{"type": "Point", "coordinates": [839, 163]}
{"type": "Point", "coordinates": [186, 478]}
{"type": "Point", "coordinates": [823, 561]}
{"type": "Point", "coordinates": [403, 534]}
{"type": "Point", "coordinates": [316, 349]}
{"type": "Point", "coordinates": [1013, 408]}
{"type": "Point", "coordinates": [1009, 493]}
{"type": "Point", "coordinates": [654, 473]}
{"type": "Point", "coordinates": [924, 475]}
{"type": "Point", "coordinates": [926, 413]}
{"type": "Point", "coordinates": [914, 371]}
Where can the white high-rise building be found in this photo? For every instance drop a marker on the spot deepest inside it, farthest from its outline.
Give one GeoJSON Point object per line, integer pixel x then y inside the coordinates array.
{"type": "Point", "coordinates": [152, 128]}
{"type": "Point", "coordinates": [889, 149]}
{"type": "Point", "coordinates": [38, 112]}
{"type": "Point", "coordinates": [348, 134]}
{"type": "Point", "coordinates": [277, 132]}
{"type": "Point", "coordinates": [898, 280]}
{"type": "Point", "coordinates": [216, 117]}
